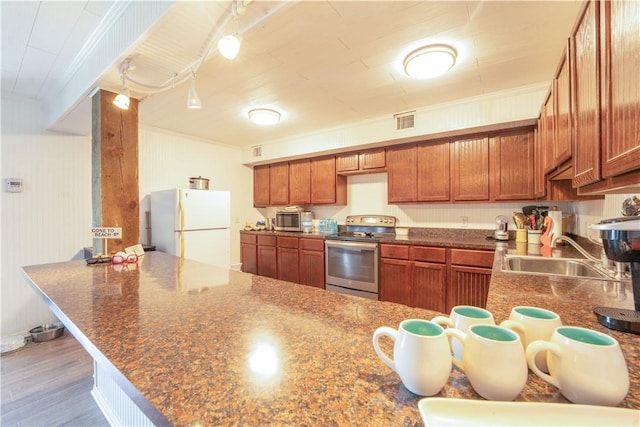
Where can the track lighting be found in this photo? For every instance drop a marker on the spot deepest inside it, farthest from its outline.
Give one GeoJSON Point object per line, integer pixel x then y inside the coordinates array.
{"type": "Point", "coordinates": [122, 99]}
{"type": "Point", "coordinates": [193, 100]}
{"type": "Point", "coordinates": [229, 46]}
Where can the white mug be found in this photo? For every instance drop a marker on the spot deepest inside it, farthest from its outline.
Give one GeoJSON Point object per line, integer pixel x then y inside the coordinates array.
{"type": "Point", "coordinates": [587, 366]}
{"type": "Point", "coordinates": [493, 360]}
{"type": "Point", "coordinates": [461, 317]}
{"type": "Point", "coordinates": [532, 324]}
{"type": "Point", "coordinates": [421, 355]}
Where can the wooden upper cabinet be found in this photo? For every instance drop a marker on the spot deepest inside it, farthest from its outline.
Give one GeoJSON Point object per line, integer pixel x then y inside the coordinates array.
{"type": "Point", "coordinates": [548, 130]}
{"type": "Point", "coordinates": [368, 161]}
{"type": "Point", "coordinates": [279, 184]}
{"type": "Point", "coordinates": [327, 187]}
{"type": "Point", "coordinates": [470, 169]}
{"type": "Point", "coordinates": [620, 62]}
{"type": "Point", "coordinates": [539, 179]}
{"type": "Point", "coordinates": [512, 156]}
{"type": "Point", "coordinates": [562, 110]}
{"type": "Point", "coordinates": [261, 186]}
{"type": "Point", "coordinates": [300, 182]}
{"type": "Point", "coordinates": [434, 172]}
{"type": "Point", "coordinates": [402, 169]}
{"type": "Point", "coordinates": [585, 95]}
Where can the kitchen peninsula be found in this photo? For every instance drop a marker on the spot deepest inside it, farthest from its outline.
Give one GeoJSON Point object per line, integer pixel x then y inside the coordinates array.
{"type": "Point", "coordinates": [192, 344]}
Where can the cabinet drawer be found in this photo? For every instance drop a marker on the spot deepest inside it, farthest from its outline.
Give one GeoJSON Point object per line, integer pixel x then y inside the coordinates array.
{"type": "Point", "coordinates": [288, 242]}
{"type": "Point", "coordinates": [248, 238]}
{"type": "Point", "coordinates": [312, 244]}
{"type": "Point", "coordinates": [472, 257]}
{"type": "Point", "coordinates": [267, 240]}
{"type": "Point", "coordinates": [428, 254]}
{"type": "Point", "coordinates": [394, 251]}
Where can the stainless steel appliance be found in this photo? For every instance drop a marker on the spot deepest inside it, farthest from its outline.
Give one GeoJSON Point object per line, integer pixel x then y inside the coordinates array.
{"type": "Point", "coordinates": [351, 257]}
{"type": "Point", "coordinates": [289, 219]}
{"type": "Point", "coordinates": [621, 243]}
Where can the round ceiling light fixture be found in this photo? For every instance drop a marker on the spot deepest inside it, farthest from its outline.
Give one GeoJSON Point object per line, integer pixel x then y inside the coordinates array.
{"type": "Point", "coordinates": [264, 116]}
{"type": "Point", "coordinates": [430, 61]}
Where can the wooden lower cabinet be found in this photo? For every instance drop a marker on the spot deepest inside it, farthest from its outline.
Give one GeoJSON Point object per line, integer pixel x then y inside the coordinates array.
{"type": "Point", "coordinates": [406, 279]}
{"type": "Point", "coordinates": [249, 253]}
{"type": "Point", "coordinates": [288, 256]}
{"type": "Point", "coordinates": [267, 256]}
{"type": "Point", "coordinates": [434, 278]}
{"type": "Point", "coordinates": [311, 265]}
{"type": "Point", "coordinates": [293, 259]}
{"type": "Point", "coordinates": [469, 277]}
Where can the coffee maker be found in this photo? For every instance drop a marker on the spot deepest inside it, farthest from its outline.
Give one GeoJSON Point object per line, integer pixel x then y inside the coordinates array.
{"type": "Point", "coordinates": [502, 228]}
{"type": "Point", "coordinates": [621, 242]}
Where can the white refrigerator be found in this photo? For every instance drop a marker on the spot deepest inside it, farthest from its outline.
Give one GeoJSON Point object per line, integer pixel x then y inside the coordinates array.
{"type": "Point", "coordinates": [192, 224]}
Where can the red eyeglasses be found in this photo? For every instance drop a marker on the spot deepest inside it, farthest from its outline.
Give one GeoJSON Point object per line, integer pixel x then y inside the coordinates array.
{"type": "Point", "coordinates": [121, 258]}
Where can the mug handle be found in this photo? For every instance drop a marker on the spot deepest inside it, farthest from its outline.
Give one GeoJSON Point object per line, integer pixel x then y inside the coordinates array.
{"type": "Point", "coordinates": [384, 331]}
{"type": "Point", "coordinates": [515, 326]}
{"type": "Point", "coordinates": [536, 347]}
{"type": "Point", "coordinates": [450, 333]}
{"type": "Point", "coordinates": [443, 321]}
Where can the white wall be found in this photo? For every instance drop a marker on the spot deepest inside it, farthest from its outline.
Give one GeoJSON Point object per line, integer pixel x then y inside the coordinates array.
{"type": "Point", "coordinates": [50, 221]}
{"type": "Point", "coordinates": [168, 160]}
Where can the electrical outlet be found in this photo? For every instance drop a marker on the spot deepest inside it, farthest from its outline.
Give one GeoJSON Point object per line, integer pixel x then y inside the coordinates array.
{"type": "Point", "coordinates": [465, 221]}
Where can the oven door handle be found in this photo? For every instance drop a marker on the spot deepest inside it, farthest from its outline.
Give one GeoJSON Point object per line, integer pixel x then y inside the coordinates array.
{"type": "Point", "coordinates": [350, 245]}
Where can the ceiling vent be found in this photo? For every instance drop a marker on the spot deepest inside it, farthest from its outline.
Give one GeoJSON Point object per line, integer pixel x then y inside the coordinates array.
{"type": "Point", "coordinates": [405, 120]}
{"type": "Point", "coordinates": [257, 151]}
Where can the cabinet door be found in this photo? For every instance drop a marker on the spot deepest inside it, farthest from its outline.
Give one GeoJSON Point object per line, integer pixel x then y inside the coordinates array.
{"type": "Point", "coordinates": [539, 180]}
{"type": "Point", "coordinates": [279, 184]}
{"type": "Point", "coordinates": [470, 167]}
{"type": "Point", "coordinates": [549, 129]}
{"type": "Point", "coordinates": [402, 169]}
{"type": "Point", "coordinates": [288, 264]}
{"type": "Point", "coordinates": [585, 108]}
{"type": "Point", "coordinates": [261, 186]}
{"type": "Point", "coordinates": [327, 188]}
{"type": "Point", "coordinates": [267, 261]}
{"type": "Point", "coordinates": [347, 162]}
{"type": "Point", "coordinates": [512, 166]}
{"type": "Point", "coordinates": [395, 281]}
{"type": "Point", "coordinates": [620, 63]}
{"type": "Point", "coordinates": [312, 268]}
{"type": "Point", "coordinates": [562, 110]}
{"type": "Point", "coordinates": [434, 184]}
{"type": "Point", "coordinates": [373, 159]}
{"type": "Point", "coordinates": [468, 286]}
{"type": "Point", "coordinates": [300, 182]}
{"type": "Point", "coordinates": [429, 286]}
{"type": "Point", "coordinates": [249, 258]}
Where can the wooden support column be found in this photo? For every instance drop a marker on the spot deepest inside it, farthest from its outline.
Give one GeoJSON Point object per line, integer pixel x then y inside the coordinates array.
{"type": "Point", "coordinates": [114, 164]}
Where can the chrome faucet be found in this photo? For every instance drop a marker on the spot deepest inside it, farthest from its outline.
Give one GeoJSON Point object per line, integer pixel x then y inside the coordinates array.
{"type": "Point", "coordinates": [579, 248]}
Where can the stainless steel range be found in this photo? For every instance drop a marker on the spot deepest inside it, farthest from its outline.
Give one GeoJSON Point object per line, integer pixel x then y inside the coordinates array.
{"type": "Point", "coordinates": [351, 257]}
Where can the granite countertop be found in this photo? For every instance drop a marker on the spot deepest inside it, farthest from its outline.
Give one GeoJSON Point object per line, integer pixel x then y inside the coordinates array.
{"type": "Point", "coordinates": [212, 346]}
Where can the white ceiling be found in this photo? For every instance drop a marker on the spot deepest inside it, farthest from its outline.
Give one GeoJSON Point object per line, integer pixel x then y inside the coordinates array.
{"type": "Point", "coordinates": [322, 63]}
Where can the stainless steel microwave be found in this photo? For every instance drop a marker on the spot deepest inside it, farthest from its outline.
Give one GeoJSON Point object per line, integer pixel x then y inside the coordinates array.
{"type": "Point", "coordinates": [289, 220]}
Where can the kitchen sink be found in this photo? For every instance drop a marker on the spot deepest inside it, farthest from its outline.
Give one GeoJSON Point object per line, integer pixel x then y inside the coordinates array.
{"type": "Point", "coordinates": [568, 267]}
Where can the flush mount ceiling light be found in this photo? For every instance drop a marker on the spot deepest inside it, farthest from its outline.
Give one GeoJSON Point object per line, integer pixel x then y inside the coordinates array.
{"type": "Point", "coordinates": [430, 61]}
{"type": "Point", "coordinates": [122, 99]}
{"type": "Point", "coordinates": [193, 100]}
{"type": "Point", "coordinates": [264, 116]}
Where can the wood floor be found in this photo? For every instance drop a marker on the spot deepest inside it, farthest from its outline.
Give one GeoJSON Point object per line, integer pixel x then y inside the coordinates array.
{"type": "Point", "coordinates": [48, 384]}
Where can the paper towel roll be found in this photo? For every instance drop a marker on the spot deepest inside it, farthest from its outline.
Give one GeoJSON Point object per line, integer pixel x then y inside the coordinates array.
{"type": "Point", "coordinates": [556, 217]}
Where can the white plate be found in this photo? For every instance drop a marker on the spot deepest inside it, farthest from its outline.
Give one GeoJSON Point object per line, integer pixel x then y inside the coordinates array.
{"type": "Point", "coordinates": [436, 411]}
